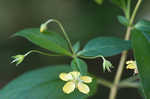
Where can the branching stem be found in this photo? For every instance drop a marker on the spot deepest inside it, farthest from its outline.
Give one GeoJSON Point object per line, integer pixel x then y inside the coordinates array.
{"type": "Point", "coordinates": [113, 91]}
{"type": "Point", "coordinates": [63, 31]}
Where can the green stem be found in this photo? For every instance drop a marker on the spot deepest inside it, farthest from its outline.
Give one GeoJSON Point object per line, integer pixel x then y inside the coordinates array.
{"type": "Point", "coordinates": [64, 32]}
{"type": "Point", "coordinates": [134, 12]}
{"type": "Point", "coordinates": [130, 79]}
{"type": "Point", "coordinates": [113, 91]}
{"type": "Point", "coordinates": [129, 84]}
{"type": "Point", "coordinates": [104, 82]}
{"type": "Point", "coordinates": [39, 52]}
{"type": "Point", "coordinates": [123, 84]}
{"type": "Point", "coordinates": [90, 57]}
{"type": "Point", "coordinates": [128, 9]}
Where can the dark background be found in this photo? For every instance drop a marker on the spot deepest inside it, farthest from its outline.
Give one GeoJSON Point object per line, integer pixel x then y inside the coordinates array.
{"type": "Point", "coordinates": [82, 19]}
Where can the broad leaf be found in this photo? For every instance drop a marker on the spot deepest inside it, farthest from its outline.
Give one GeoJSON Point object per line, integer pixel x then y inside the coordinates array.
{"type": "Point", "coordinates": [79, 65]}
{"type": "Point", "coordinates": [141, 47]}
{"type": "Point", "coordinates": [143, 25]}
{"type": "Point", "coordinates": [106, 46]}
{"type": "Point", "coordinates": [48, 40]}
{"type": "Point", "coordinates": [41, 84]}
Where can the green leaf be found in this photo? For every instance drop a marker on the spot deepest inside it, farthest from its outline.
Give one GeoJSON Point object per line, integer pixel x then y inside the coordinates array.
{"type": "Point", "coordinates": [119, 3]}
{"type": "Point", "coordinates": [99, 1]}
{"type": "Point", "coordinates": [123, 20]}
{"type": "Point", "coordinates": [76, 47]}
{"type": "Point", "coordinates": [141, 47]}
{"type": "Point", "coordinates": [48, 40]}
{"type": "Point", "coordinates": [141, 92]}
{"type": "Point", "coordinates": [105, 46]}
{"type": "Point", "coordinates": [143, 25]}
{"type": "Point", "coordinates": [41, 84]}
{"type": "Point", "coordinates": [79, 65]}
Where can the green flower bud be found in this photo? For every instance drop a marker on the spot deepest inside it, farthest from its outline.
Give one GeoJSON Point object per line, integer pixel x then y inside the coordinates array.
{"type": "Point", "coordinates": [18, 59]}
{"type": "Point", "coordinates": [107, 65]}
{"type": "Point", "coordinates": [43, 27]}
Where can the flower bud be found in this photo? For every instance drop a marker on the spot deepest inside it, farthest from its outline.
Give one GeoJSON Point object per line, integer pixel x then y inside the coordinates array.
{"type": "Point", "coordinates": [43, 27]}
{"type": "Point", "coordinates": [18, 59]}
{"type": "Point", "coordinates": [107, 65]}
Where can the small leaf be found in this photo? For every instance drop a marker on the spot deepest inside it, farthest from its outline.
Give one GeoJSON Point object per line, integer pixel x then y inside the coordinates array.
{"type": "Point", "coordinates": [42, 84]}
{"type": "Point", "coordinates": [76, 47]}
{"type": "Point", "coordinates": [143, 25]}
{"type": "Point", "coordinates": [99, 1]}
{"type": "Point", "coordinates": [119, 3]}
{"type": "Point", "coordinates": [48, 40]}
{"type": "Point", "coordinates": [79, 65]}
{"type": "Point", "coordinates": [123, 20]}
{"type": "Point", "coordinates": [141, 47]}
{"type": "Point", "coordinates": [105, 46]}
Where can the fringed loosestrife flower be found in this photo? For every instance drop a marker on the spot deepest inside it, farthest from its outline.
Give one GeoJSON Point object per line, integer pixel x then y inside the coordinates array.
{"type": "Point", "coordinates": [75, 80]}
{"type": "Point", "coordinates": [132, 65]}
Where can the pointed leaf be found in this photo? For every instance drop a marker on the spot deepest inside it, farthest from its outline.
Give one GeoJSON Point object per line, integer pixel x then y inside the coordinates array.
{"type": "Point", "coordinates": [141, 47]}
{"type": "Point", "coordinates": [106, 46]}
{"type": "Point", "coordinates": [41, 84]}
{"type": "Point", "coordinates": [143, 25]}
{"type": "Point", "coordinates": [76, 47]}
{"type": "Point", "coordinates": [48, 40]}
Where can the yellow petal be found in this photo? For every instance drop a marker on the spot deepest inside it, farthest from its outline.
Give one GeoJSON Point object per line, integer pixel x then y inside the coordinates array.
{"type": "Point", "coordinates": [69, 87]}
{"type": "Point", "coordinates": [83, 88]}
{"type": "Point", "coordinates": [75, 74]}
{"type": "Point", "coordinates": [65, 76]}
{"type": "Point", "coordinates": [131, 66]}
{"type": "Point", "coordinates": [130, 62]}
{"type": "Point", "coordinates": [86, 79]}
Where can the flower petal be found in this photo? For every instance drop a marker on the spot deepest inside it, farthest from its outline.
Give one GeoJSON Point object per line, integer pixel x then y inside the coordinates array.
{"type": "Point", "coordinates": [86, 79]}
{"type": "Point", "coordinates": [130, 62]}
{"type": "Point", "coordinates": [83, 88]}
{"type": "Point", "coordinates": [69, 87]}
{"type": "Point", "coordinates": [65, 76]}
{"type": "Point", "coordinates": [131, 66]}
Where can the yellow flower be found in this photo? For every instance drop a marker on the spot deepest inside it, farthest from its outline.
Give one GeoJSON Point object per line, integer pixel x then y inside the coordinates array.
{"type": "Point", "coordinates": [75, 80]}
{"type": "Point", "coordinates": [132, 65]}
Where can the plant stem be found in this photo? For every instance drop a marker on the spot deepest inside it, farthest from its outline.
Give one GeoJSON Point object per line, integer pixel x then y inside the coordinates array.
{"type": "Point", "coordinates": [43, 53]}
{"type": "Point", "coordinates": [65, 34]}
{"type": "Point", "coordinates": [90, 57]}
{"type": "Point", "coordinates": [63, 31]}
{"type": "Point", "coordinates": [113, 91]}
{"type": "Point", "coordinates": [129, 84]}
{"type": "Point", "coordinates": [134, 12]}
{"type": "Point", "coordinates": [104, 82]}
